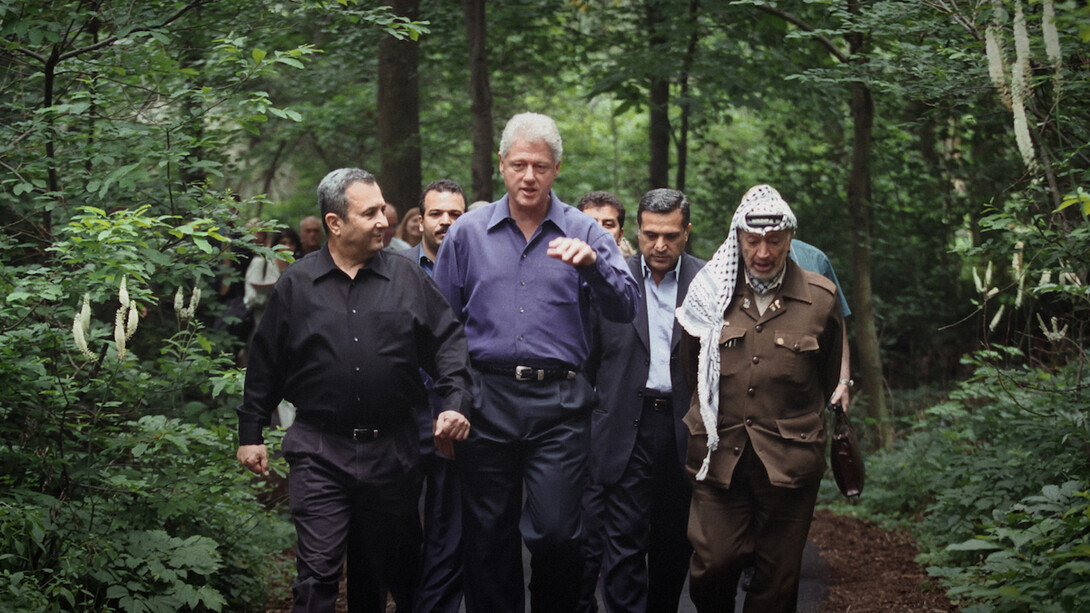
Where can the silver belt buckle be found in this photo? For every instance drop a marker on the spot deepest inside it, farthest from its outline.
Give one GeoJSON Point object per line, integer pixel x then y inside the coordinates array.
{"type": "Point", "coordinates": [525, 373]}
{"type": "Point", "coordinates": [364, 434]}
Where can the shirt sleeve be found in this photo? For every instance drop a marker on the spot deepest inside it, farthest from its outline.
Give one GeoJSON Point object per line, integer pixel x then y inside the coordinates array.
{"type": "Point", "coordinates": [265, 375]}
{"type": "Point", "coordinates": [449, 356]}
{"type": "Point", "coordinates": [447, 274]}
{"type": "Point", "coordinates": [612, 287]}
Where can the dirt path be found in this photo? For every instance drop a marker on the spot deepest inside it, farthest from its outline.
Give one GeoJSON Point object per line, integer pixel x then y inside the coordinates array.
{"type": "Point", "coordinates": [869, 570]}
{"type": "Point", "coordinates": [865, 570]}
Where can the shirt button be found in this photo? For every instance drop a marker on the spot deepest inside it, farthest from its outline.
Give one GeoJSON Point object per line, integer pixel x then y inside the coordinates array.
{"type": "Point", "coordinates": [520, 338]}
{"type": "Point", "coordinates": [522, 282]}
{"type": "Point", "coordinates": [356, 339]}
{"type": "Point", "coordinates": [756, 360]}
{"type": "Point", "coordinates": [522, 310]}
{"type": "Point", "coordinates": [737, 451]}
{"type": "Point", "coordinates": [524, 256]}
{"type": "Point", "coordinates": [759, 328]}
{"type": "Point", "coordinates": [796, 346]}
{"type": "Point", "coordinates": [353, 311]}
{"type": "Point", "coordinates": [635, 423]}
{"type": "Point", "coordinates": [751, 391]}
{"type": "Point", "coordinates": [749, 421]}
{"type": "Point", "coordinates": [357, 369]}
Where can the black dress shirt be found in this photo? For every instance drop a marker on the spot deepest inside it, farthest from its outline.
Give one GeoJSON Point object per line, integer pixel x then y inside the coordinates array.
{"type": "Point", "coordinates": [348, 351]}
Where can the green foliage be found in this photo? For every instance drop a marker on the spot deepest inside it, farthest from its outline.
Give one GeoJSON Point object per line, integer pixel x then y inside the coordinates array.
{"type": "Point", "coordinates": [994, 483]}
{"type": "Point", "coordinates": [1035, 556]}
{"type": "Point", "coordinates": [113, 497]}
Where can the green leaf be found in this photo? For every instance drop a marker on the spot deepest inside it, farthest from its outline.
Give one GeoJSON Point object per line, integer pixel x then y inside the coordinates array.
{"type": "Point", "coordinates": [258, 55]}
{"type": "Point", "coordinates": [290, 61]}
{"type": "Point", "coordinates": [973, 545]}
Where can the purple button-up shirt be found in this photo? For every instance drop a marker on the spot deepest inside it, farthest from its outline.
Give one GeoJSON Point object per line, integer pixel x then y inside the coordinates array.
{"type": "Point", "coordinates": [519, 305]}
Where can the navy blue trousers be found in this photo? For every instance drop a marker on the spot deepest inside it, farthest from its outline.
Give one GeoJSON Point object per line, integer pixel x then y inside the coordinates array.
{"type": "Point", "coordinates": [529, 441]}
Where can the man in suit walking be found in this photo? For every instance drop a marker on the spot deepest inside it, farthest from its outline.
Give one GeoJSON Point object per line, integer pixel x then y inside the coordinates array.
{"type": "Point", "coordinates": [638, 438]}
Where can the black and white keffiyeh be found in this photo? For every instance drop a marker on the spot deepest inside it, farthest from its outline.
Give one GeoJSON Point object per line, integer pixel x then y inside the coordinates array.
{"type": "Point", "coordinates": [762, 210]}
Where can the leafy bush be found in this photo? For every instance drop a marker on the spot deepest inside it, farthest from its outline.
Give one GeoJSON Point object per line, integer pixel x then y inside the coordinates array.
{"type": "Point", "coordinates": [119, 485]}
{"type": "Point", "coordinates": [997, 479]}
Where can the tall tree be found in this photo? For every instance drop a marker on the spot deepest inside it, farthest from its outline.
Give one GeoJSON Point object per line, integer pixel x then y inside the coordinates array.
{"type": "Point", "coordinates": [658, 169]}
{"type": "Point", "coordinates": [480, 95]}
{"type": "Point", "coordinates": [399, 113]}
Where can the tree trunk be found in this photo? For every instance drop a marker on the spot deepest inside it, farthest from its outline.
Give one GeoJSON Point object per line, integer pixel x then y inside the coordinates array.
{"type": "Point", "coordinates": [859, 194]}
{"type": "Point", "coordinates": [683, 131]}
{"type": "Point", "coordinates": [480, 96]}
{"type": "Point", "coordinates": [659, 125]}
{"type": "Point", "coordinates": [399, 114]}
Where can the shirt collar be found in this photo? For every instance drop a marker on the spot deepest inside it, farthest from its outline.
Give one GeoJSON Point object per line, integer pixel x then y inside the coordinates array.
{"type": "Point", "coordinates": [647, 271]}
{"type": "Point", "coordinates": [325, 265]}
{"type": "Point", "coordinates": [502, 212]}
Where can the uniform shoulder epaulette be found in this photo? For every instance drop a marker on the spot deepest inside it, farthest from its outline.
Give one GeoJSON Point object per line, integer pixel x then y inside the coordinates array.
{"type": "Point", "coordinates": [814, 278]}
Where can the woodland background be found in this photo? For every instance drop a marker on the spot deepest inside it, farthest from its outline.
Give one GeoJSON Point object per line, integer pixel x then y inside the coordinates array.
{"type": "Point", "coordinates": [937, 150]}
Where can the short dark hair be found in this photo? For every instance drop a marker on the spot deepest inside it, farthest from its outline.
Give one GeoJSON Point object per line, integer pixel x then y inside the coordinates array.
{"type": "Point", "coordinates": [442, 185]}
{"type": "Point", "coordinates": [599, 198]}
{"type": "Point", "coordinates": [331, 191]}
{"type": "Point", "coordinates": [663, 201]}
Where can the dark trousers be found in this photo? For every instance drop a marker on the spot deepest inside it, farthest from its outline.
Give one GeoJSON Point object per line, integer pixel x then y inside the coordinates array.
{"type": "Point", "coordinates": [592, 547]}
{"type": "Point", "coordinates": [440, 587]}
{"type": "Point", "coordinates": [347, 497]}
{"type": "Point", "coordinates": [753, 523]}
{"type": "Point", "coordinates": [533, 435]}
{"type": "Point", "coordinates": [646, 550]}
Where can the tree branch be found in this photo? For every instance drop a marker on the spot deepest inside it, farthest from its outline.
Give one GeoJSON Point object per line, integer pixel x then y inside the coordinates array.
{"type": "Point", "coordinates": [114, 39]}
{"type": "Point", "coordinates": [792, 19]}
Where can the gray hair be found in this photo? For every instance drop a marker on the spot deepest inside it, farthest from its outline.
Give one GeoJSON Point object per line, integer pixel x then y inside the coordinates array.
{"type": "Point", "coordinates": [331, 191]}
{"type": "Point", "coordinates": [663, 201]}
{"type": "Point", "coordinates": [532, 128]}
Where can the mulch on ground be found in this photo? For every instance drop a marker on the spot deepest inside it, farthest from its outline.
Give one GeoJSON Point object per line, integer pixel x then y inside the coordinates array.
{"type": "Point", "coordinates": [871, 570]}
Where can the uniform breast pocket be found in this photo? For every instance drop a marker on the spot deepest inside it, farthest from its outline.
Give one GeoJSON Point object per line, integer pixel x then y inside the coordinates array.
{"type": "Point", "coordinates": [732, 356]}
{"type": "Point", "coordinates": [796, 356]}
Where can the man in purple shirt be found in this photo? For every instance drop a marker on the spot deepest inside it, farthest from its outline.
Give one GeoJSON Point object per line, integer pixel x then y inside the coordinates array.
{"type": "Point", "coordinates": [525, 274]}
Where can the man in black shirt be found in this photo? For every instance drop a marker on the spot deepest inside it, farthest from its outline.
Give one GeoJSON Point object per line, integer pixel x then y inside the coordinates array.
{"type": "Point", "coordinates": [345, 332]}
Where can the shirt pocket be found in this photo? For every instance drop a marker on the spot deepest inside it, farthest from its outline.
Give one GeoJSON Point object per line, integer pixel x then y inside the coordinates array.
{"type": "Point", "coordinates": [796, 357]}
{"type": "Point", "coordinates": [731, 350]}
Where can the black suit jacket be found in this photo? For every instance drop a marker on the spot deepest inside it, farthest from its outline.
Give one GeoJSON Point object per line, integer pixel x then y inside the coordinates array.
{"type": "Point", "coordinates": [618, 366]}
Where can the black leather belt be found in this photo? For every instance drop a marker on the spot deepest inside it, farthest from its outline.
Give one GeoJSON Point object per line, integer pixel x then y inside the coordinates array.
{"type": "Point", "coordinates": [526, 373]}
{"type": "Point", "coordinates": [658, 404]}
{"type": "Point", "coordinates": [356, 432]}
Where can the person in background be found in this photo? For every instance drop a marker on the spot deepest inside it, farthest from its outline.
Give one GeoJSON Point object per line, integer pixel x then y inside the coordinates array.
{"type": "Point", "coordinates": [409, 228]}
{"type": "Point", "coordinates": [439, 550]}
{"type": "Point", "coordinates": [761, 350]}
{"type": "Point", "coordinates": [310, 234]}
{"type": "Point", "coordinates": [389, 241]}
{"type": "Point", "coordinates": [813, 259]}
{"type": "Point", "coordinates": [526, 274]}
{"type": "Point", "coordinates": [608, 211]}
{"type": "Point", "coordinates": [289, 238]}
{"type": "Point", "coordinates": [345, 333]}
{"type": "Point", "coordinates": [637, 435]}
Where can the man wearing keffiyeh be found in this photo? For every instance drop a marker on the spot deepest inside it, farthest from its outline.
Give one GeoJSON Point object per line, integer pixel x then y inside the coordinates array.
{"type": "Point", "coordinates": [761, 350]}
